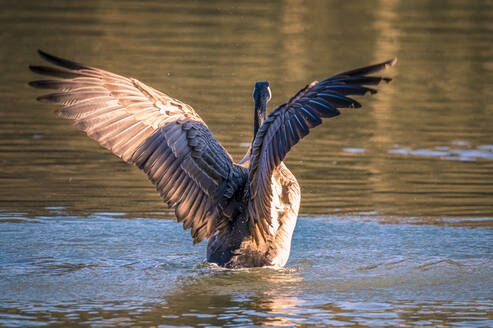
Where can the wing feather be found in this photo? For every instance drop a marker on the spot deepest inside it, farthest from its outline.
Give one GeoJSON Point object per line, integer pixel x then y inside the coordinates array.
{"type": "Point", "coordinates": [292, 121]}
{"type": "Point", "coordinates": [159, 134]}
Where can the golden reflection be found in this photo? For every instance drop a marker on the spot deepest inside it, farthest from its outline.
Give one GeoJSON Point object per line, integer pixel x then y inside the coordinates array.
{"type": "Point", "coordinates": [294, 19]}
{"type": "Point", "coordinates": [281, 306]}
{"type": "Point", "coordinates": [387, 27]}
{"type": "Point", "coordinates": [258, 296]}
{"type": "Point", "coordinates": [208, 54]}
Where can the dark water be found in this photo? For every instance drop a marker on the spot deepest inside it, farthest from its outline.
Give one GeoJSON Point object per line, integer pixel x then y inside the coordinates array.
{"type": "Point", "coordinates": [397, 204]}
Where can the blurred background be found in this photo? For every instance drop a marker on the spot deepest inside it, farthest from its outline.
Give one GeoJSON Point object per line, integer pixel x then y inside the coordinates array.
{"type": "Point", "coordinates": [418, 155]}
{"type": "Point", "coordinates": [422, 147]}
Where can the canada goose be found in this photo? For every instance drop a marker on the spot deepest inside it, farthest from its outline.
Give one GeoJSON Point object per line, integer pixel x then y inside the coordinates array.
{"type": "Point", "coordinates": [247, 210]}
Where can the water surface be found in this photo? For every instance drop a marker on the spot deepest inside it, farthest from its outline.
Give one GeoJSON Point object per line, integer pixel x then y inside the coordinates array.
{"type": "Point", "coordinates": [103, 271]}
{"type": "Point", "coordinates": [397, 204]}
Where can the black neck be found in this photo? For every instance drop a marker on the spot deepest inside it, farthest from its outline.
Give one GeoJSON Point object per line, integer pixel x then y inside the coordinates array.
{"type": "Point", "coordinates": [260, 109]}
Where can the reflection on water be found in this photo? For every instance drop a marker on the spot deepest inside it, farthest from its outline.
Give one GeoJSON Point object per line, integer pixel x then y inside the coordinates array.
{"type": "Point", "coordinates": [259, 296]}
{"type": "Point", "coordinates": [409, 175]}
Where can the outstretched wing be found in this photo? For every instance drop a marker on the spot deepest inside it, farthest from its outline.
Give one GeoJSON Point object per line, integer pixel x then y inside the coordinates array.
{"type": "Point", "coordinates": [164, 137]}
{"type": "Point", "coordinates": [290, 122]}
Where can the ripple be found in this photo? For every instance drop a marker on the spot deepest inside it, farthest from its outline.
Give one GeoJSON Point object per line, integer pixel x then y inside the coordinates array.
{"type": "Point", "coordinates": [445, 152]}
{"type": "Point", "coordinates": [430, 264]}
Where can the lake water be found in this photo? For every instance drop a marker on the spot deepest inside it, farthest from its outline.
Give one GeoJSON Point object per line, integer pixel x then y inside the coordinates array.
{"type": "Point", "coordinates": [396, 218]}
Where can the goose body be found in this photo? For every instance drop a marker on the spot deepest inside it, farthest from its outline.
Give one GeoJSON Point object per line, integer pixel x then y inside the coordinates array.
{"type": "Point", "coordinates": [236, 248]}
{"type": "Point", "coordinates": [247, 210]}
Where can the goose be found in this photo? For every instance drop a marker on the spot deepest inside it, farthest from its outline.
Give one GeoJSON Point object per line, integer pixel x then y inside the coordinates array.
{"type": "Point", "coordinates": [247, 210]}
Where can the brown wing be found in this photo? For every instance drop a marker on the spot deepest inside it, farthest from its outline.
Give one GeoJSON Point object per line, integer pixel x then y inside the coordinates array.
{"type": "Point", "coordinates": [290, 122]}
{"type": "Point", "coordinates": [164, 137]}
